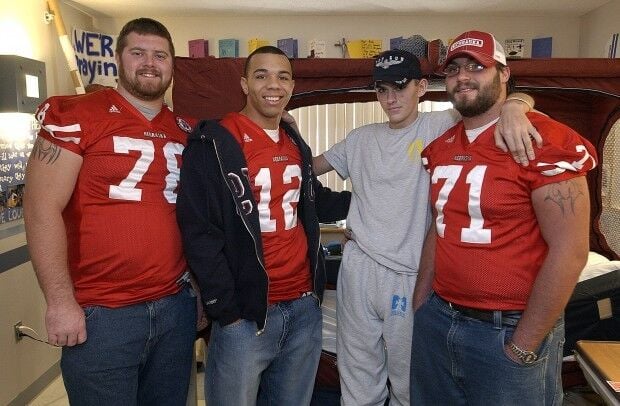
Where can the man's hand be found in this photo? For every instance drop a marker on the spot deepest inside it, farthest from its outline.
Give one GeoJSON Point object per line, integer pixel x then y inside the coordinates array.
{"type": "Point", "coordinates": [347, 235]}
{"type": "Point", "coordinates": [289, 119]}
{"type": "Point", "coordinates": [202, 321]}
{"type": "Point", "coordinates": [66, 324]}
{"type": "Point", "coordinates": [514, 132]}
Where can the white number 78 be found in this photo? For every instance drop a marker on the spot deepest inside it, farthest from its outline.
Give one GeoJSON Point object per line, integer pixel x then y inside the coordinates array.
{"type": "Point", "coordinates": [126, 190]}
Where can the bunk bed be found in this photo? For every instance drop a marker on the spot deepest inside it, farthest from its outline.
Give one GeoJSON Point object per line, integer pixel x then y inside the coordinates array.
{"type": "Point", "coordinates": [582, 93]}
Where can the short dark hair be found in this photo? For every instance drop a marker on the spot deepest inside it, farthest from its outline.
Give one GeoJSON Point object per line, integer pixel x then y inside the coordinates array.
{"type": "Point", "coordinates": [143, 26]}
{"type": "Point", "coordinates": [267, 49]}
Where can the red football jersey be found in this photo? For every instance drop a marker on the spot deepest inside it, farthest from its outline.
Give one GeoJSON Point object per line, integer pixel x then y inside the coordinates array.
{"type": "Point", "coordinates": [274, 170]}
{"type": "Point", "coordinates": [489, 246]}
{"type": "Point", "coordinates": [124, 245]}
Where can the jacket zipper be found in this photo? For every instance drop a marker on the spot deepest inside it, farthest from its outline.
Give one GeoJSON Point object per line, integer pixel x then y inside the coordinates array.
{"type": "Point", "coordinates": [317, 240]}
{"type": "Point", "coordinates": [219, 160]}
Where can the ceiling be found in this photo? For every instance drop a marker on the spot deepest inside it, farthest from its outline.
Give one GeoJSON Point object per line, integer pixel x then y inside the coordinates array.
{"type": "Point", "coordinates": [123, 8]}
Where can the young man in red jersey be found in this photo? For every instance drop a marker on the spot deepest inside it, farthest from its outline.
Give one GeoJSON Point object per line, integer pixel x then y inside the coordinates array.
{"type": "Point", "coordinates": [249, 207]}
{"type": "Point", "coordinates": [101, 228]}
{"type": "Point", "coordinates": [506, 250]}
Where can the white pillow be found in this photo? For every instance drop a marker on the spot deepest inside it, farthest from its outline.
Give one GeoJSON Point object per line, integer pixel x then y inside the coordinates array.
{"type": "Point", "coordinates": [596, 258]}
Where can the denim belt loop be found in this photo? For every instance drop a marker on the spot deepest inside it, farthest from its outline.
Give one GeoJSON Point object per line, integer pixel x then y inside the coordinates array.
{"type": "Point", "coordinates": [497, 319]}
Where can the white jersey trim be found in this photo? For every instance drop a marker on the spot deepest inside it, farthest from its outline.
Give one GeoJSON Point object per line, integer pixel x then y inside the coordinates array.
{"type": "Point", "coordinates": [50, 128]}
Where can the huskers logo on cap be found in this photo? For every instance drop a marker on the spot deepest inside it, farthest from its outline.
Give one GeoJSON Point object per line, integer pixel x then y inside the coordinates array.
{"type": "Point", "coordinates": [467, 42]}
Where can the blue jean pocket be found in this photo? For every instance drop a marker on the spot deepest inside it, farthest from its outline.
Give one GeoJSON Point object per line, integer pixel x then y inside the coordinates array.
{"type": "Point", "coordinates": [542, 351]}
{"type": "Point", "coordinates": [89, 311]}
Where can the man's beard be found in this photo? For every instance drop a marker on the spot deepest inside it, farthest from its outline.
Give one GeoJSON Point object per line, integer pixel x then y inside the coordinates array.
{"type": "Point", "coordinates": [140, 90]}
{"type": "Point", "coordinates": [487, 97]}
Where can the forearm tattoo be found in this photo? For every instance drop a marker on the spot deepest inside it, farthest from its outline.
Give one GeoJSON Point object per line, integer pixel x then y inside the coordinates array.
{"type": "Point", "coordinates": [564, 194]}
{"type": "Point", "coordinates": [45, 151]}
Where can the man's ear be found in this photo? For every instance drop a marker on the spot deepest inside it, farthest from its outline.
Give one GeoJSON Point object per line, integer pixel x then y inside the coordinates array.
{"type": "Point", "coordinates": [244, 85]}
{"type": "Point", "coordinates": [504, 74]}
{"type": "Point", "coordinates": [422, 87]}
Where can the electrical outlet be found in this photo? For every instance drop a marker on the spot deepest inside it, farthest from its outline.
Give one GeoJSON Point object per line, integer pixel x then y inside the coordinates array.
{"type": "Point", "coordinates": [18, 334]}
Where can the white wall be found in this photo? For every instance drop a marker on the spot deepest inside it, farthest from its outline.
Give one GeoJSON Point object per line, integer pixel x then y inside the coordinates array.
{"type": "Point", "coordinates": [23, 32]}
{"type": "Point", "coordinates": [333, 28]}
{"type": "Point", "coordinates": [596, 29]}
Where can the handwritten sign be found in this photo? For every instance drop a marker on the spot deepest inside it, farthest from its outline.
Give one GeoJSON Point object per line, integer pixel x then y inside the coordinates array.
{"type": "Point", "coordinates": [94, 54]}
{"type": "Point", "coordinates": [364, 48]}
{"type": "Point", "coordinates": [13, 158]}
{"type": "Point", "coordinates": [17, 134]}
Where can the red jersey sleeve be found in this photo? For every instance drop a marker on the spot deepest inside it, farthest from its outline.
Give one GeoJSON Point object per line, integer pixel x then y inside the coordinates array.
{"type": "Point", "coordinates": [564, 155]}
{"type": "Point", "coordinates": [60, 124]}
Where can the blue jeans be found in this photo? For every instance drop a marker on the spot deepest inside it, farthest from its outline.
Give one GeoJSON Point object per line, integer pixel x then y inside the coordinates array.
{"type": "Point", "coordinates": [134, 355]}
{"type": "Point", "coordinates": [282, 361]}
{"type": "Point", "coordinates": [457, 360]}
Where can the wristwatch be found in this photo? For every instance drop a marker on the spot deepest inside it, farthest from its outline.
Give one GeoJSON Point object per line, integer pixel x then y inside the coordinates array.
{"type": "Point", "coordinates": [526, 356]}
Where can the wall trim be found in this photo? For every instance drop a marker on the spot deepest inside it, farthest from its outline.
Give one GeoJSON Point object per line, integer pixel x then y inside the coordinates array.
{"type": "Point", "coordinates": [35, 388]}
{"type": "Point", "coordinates": [14, 258]}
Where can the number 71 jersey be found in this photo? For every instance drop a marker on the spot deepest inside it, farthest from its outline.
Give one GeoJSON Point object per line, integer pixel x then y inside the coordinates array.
{"type": "Point", "coordinates": [488, 237]}
{"type": "Point", "coordinates": [123, 241]}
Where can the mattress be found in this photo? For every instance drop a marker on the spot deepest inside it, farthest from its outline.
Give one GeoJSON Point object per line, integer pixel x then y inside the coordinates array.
{"type": "Point", "coordinates": [593, 311]}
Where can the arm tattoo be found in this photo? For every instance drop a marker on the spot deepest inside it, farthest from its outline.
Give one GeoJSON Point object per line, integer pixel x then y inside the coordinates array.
{"type": "Point", "coordinates": [45, 151]}
{"type": "Point", "coordinates": [564, 194]}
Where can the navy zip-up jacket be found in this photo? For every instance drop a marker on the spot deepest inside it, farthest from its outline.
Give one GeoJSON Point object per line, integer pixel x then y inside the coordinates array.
{"type": "Point", "coordinates": [219, 223]}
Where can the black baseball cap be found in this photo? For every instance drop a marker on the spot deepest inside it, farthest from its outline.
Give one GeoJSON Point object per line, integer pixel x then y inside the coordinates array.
{"type": "Point", "coordinates": [397, 67]}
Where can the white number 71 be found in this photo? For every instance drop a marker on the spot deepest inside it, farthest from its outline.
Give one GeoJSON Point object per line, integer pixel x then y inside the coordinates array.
{"type": "Point", "coordinates": [475, 233]}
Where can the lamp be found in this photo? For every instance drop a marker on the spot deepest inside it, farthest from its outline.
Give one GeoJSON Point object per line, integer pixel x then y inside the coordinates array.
{"type": "Point", "coordinates": [22, 84]}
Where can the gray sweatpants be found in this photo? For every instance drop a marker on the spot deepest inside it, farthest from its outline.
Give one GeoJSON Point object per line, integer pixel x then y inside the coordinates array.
{"type": "Point", "coordinates": [375, 322]}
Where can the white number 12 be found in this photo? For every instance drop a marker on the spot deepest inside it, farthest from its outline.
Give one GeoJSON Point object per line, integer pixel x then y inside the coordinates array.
{"type": "Point", "coordinates": [263, 179]}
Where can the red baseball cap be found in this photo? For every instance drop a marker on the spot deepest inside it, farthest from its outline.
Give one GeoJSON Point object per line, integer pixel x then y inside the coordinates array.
{"type": "Point", "coordinates": [479, 45]}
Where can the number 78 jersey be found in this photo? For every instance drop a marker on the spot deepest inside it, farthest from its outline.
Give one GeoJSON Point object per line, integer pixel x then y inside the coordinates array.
{"type": "Point", "coordinates": [489, 246]}
{"type": "Point", "coordinates": [124, 245]}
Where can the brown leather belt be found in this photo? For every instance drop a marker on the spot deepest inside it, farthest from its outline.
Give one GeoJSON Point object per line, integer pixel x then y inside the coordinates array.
{"type": "Point", "coordinates": [485, 315]}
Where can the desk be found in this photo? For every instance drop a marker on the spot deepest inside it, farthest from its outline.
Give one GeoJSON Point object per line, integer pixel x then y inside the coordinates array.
{"type": "Point", "coordinates": [600, 363]}
{"type": "Point", "coordinates": [331, 233]}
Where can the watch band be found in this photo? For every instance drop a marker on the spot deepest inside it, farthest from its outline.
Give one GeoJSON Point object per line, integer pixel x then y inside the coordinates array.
{"type": "Point", "coordinates": [526, 356]}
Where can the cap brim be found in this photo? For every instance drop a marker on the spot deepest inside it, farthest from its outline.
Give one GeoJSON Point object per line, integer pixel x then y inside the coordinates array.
{"type": "Point", "coordinates": [483, 59]}
{"type": "Point", "coordinates": [399, 84]}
